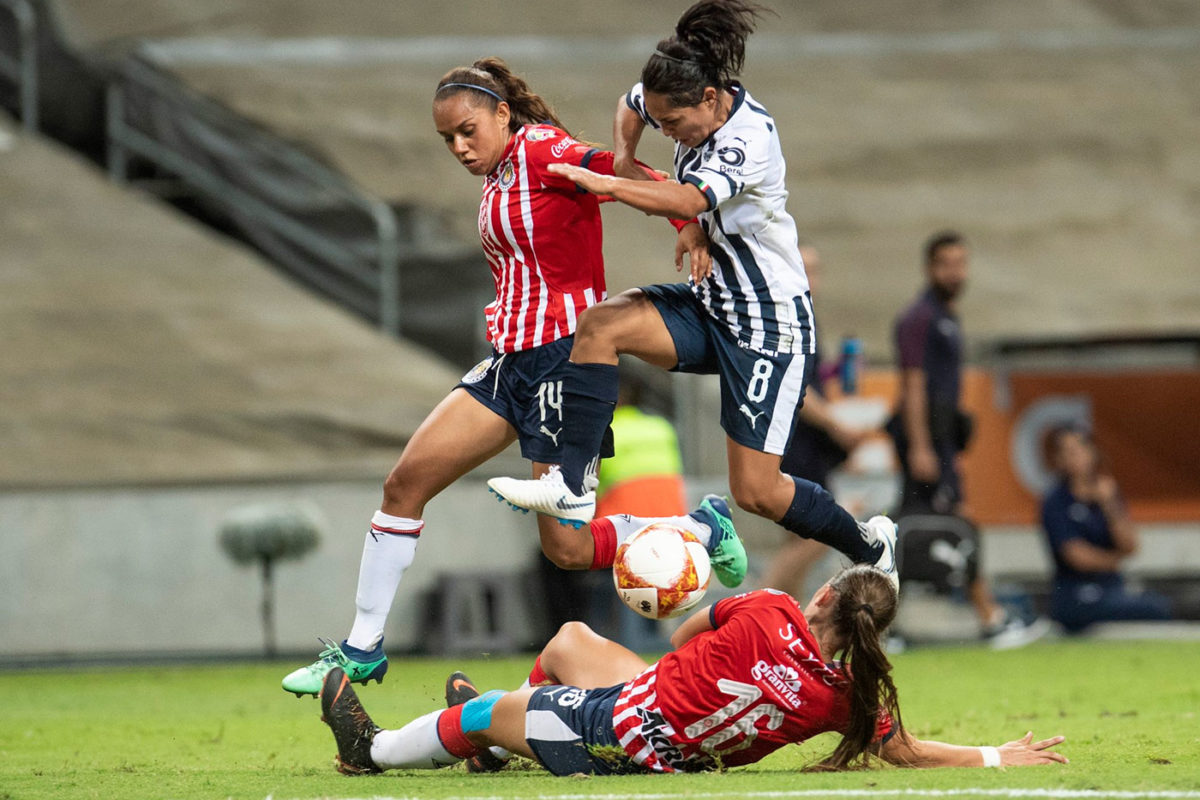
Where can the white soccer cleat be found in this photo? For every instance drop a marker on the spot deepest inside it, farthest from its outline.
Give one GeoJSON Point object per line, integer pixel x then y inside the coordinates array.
{"type": "Point", "coordinates": [881, 530]}
{"type": "Point", "coordinates": [547, 495]}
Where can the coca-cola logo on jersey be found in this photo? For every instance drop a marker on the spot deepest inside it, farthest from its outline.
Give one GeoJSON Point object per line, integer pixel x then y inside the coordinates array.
{"type": "Point", "coordinates": [558, 148]}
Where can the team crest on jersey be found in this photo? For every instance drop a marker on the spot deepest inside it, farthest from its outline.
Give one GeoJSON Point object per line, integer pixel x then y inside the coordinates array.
{"type": "Point", "coordinates": [508, 176]}
{"type": "Point", "coordinates": [539, 134]}
{"type": "Point", "coordinates": [478, 371]}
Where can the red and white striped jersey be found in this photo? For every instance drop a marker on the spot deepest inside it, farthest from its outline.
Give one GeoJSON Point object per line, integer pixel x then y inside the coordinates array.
{"type": "Point", "coordinates": [542, 237]}
{"type": "Point", "coordinates": [737, 693]}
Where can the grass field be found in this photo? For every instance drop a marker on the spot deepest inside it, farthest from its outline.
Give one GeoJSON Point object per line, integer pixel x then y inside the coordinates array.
{"type": "Point", "coordinates": [1128, 710]}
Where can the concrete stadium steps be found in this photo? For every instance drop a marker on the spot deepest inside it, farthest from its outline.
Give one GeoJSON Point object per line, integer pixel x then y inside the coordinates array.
{"type": "Point", "coordinates": [142, 348]}
{"type": "Point", "coordinates": [1063, 138]}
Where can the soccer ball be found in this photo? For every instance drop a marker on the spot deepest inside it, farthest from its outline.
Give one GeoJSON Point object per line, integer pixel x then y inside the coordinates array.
{"type": "Point", "coordinates": [661, 571]}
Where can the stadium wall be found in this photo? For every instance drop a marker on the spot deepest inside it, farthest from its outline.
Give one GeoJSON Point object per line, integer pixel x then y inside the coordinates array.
{"type": "Point", "coordinates": [97, 573]}
{"type": "Point", "coordinates": [93, 572]}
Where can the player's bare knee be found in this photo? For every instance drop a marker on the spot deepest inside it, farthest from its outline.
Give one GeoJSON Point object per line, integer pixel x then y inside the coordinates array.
{"type": "Point", "coordinates": [566, 554]}
{"type": "Point", "coordinates": [564, 644]}
{"type": "Point", "coordinates": [751, 497]}
{"type": "Point", "coordinates": [395, 488]}
{"type": "Point", "coordinates": [573, 632]}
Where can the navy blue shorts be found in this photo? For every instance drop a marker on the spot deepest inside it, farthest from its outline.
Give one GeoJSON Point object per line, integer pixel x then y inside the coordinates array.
{"type": "Point", "coordinates": [525, 388]}
{"type": "Point", "coordinates": [570, 730]}
{"type": "Point", "coordinates": [759, 393]}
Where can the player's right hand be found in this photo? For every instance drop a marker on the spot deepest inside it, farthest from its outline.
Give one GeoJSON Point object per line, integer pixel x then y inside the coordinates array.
{"type": "Point", "coordinates": [693, 242]}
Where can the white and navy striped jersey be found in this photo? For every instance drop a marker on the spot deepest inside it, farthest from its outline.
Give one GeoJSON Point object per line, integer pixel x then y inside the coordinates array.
{"type": "Point", "coordinates": [758, 289]}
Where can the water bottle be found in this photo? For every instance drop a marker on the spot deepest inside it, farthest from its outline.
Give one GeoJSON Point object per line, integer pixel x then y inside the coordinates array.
{"type": "Point", "coordinates": [851, 355]}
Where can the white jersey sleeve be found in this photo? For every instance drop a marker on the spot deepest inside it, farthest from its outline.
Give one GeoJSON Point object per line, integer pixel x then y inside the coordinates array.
{"type": "Point", "coordinates": [636, 100]}
{"type": "Point", "coordinates": [739, 163]}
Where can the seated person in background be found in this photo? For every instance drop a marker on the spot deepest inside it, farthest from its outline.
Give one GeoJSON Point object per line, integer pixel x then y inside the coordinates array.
{"type": "Point", "coordinates": [1090, 533]}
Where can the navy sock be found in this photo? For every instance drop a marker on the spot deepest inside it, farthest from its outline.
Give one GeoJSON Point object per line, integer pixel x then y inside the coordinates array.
{"type": "Point", "coordinates": [589, 397]}
{"type": "Point", "coordinates": [814, 514]}
{"type": "Point", "coordinates": [360, 655]}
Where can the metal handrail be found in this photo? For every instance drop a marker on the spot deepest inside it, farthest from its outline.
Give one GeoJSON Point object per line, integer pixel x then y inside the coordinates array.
{"type": "Point", "coordinates": [380, 276]}
{"type": "Point", "coordinates": [23, 69]}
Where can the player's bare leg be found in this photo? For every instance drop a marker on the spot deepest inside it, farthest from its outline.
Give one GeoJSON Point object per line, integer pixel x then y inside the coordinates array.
{"type": "Point", "coordinates": [628, 323]}
{"type": "Point", "coordinates": [457, 436]}
{"type": "Point", "coordinates": [567, 545]}
{"type": "Point", "coordinates": [578, 656]}
{"type": "Point", "coordinates": [806, 509]}
{"type": "Point", "coordinates": [507, 728]}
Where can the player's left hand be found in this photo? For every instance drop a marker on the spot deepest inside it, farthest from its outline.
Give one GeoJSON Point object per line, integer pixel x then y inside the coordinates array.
{"type": "Point", "coordinates": [694, 242]}
{"type": "Point", "coordinates": [585, 179]}
{"type": "Point", "coordinates": [1026, 752]}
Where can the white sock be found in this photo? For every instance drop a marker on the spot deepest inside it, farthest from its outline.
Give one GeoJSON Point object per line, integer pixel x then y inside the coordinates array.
{"type": "Point", "coordinates": [388, 550]}
{"type": "Point", "coordinates": [500, 753]}
{"type": "Point", "coordinates": [415, 746]}
{"type": "Point", "coordinates": [627, 525]}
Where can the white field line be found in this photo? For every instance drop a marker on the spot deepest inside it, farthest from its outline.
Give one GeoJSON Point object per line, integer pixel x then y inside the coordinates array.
{"type": "Point", "coordinates": [767, 47]}
{"type": "Point", "coordinates": [1017, 794]}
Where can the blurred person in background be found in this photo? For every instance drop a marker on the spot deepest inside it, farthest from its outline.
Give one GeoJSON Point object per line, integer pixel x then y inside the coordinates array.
{"type": "Point", "coordinates": [930, 428]}
{"type": "Point", "coordinates": [1089, 533]}
{"type": "Point", "coordinates": [543, 241]}
{"type": "Point", "coordinates": [818, 445]}
{"type": "Point", "coordinates": [644, 475]}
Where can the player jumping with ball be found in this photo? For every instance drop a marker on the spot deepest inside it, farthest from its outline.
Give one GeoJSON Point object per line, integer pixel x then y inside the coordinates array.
{"type": "Point", "coordinates": [746, 316]}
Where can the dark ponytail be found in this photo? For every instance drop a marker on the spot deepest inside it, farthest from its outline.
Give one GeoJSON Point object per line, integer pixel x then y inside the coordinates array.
{"type": "Point", "coordinates": [490, 81]}
{"type": "Point", "coordinates": [865, 606]}
{"type": "Point", "coordinates": [708, 49]}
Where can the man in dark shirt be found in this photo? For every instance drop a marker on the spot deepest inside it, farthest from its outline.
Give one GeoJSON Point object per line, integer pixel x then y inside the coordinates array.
{"type": "Point", "coordinates": [930, 429]}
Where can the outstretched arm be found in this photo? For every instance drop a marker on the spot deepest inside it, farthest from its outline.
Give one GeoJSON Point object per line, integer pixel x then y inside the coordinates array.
{"type": "Point", "coordinates": [908, 751]}
{"type": "Point", "coordinates": [680, 201]}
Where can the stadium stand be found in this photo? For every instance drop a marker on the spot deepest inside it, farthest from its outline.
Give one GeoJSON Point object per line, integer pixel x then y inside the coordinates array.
{"type": "Point", "coordinates": [144, 349]}
{"type": "Point", "coordinates": [143, 333]}
{"type": "Point", "coordinates": [1060, 137]}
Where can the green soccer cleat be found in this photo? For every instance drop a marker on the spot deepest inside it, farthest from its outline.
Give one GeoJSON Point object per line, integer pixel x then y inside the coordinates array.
{"type": "Point", "coordinates": [360, 666]}
{"type": "Point", "coordinates": [725, 549]}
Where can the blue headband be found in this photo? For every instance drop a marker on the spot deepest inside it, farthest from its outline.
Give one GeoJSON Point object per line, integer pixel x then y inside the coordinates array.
{"type": "Point", "coordinates": [483, 89]}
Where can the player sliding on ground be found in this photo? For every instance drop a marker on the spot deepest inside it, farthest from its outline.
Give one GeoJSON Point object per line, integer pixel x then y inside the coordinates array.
{"type": "Point", "coordinates": [748, 675]}
{"type": "Point", "coordinates": [749, 319]}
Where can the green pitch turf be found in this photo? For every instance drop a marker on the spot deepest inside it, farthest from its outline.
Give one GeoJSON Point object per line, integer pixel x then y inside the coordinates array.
{"type": "Point", "coordinates": [1128, 710]}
